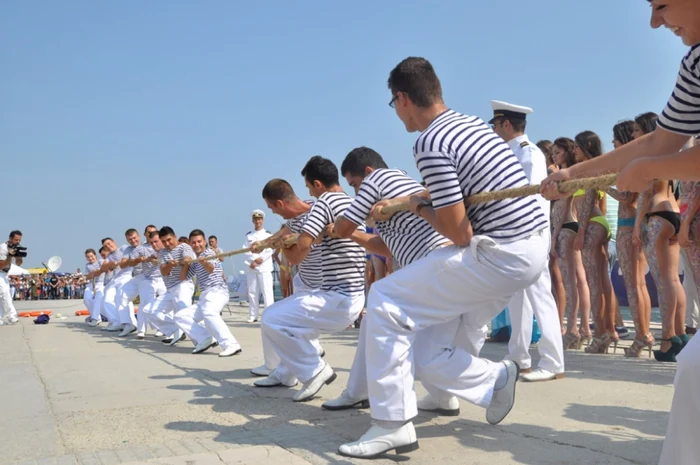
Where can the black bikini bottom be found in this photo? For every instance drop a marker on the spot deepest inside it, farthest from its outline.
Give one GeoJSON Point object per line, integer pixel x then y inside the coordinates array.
{"type": "Point", "coordinates": [672, 217]}
{"type": "Point", "coordinates": [572, 225]}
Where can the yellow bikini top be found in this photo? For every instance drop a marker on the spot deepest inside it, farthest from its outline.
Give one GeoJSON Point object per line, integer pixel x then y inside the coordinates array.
{"type": "Point", "coordinates": [582, 192]}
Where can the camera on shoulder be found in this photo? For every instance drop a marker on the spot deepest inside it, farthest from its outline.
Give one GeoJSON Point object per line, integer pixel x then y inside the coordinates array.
{"type": "Point", "coordinates": [17, 250]}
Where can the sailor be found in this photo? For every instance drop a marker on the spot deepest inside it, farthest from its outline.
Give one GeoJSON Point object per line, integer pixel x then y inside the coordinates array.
{"type": "Point", "coordinates": [509, 123]}
{"type": "Point", "coordinates": [259, 270]}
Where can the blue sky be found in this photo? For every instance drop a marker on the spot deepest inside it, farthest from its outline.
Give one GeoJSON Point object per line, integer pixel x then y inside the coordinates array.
{"type": "Point", "coordinates": [120, 114]}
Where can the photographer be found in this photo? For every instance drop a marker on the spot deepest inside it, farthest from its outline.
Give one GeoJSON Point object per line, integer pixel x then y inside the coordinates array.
{"type": "Point", "coordinates": [9, 251]}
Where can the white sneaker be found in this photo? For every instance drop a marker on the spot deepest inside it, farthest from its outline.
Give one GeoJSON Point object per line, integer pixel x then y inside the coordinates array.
{"type": "Point", "coordinates": [158, 334]}
{"type": "Point", "coordinates": [378, 440]}
{"type": "Point", "coordinates": [312, 386]}
{"type": "Point", "coordinates": [345, 402]}
{"type": "Point", "coordinates": [448, 407]}
{"type": "Point", "coordinates": [262, 370]}
{"type": "Point", "coordinates": [13, 320]}
{"type": "Point", "coordinates": [503, 399]}
{"type": "Point", "coordinates": [205, 345]}
{"type": "Point", "coordinates": [273, 381]}
{"type": "Point", "coordinates": [252, 320]}
{"type": "Point", "coordinates": [233, 349]}
{"type": "Point", "coordinates": [128, 329]}
{"type": "Point", "coordinates": [539, 374]}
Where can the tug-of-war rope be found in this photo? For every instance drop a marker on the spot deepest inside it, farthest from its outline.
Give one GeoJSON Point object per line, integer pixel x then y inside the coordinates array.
{"type": "Point", "coordinates": [565, 187]}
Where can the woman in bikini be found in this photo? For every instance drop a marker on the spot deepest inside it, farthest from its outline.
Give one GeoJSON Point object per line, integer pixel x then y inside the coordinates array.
{"type": "Point", "coordinates": [592, 240]}
{"type": "Point", "coordinates": [565, 229]}
{"type": "Point", "coordinates": [656, 230]}
{"type": "Point", "coordinates": [631, 258]}
{"type": "Point", "coordinates": [557, 283]}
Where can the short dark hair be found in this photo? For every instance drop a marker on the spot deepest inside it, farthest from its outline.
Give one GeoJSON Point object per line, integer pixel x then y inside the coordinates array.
{"type": "Point", "coordinates": [166, 231]}
{"type": "Point", "coordinates": [150, 226]}
{"type": "Point", "coordinates": [153, 233]}
{"type": "Point", "coordinates": [92, 251]}
{"type": "Point", "coordinates": [102, 249]}
{"type": "Point", "coordinates": [518, 124]}
{"type": "Point", "coordinates": [14, 233]}
{"type": "Point", "coordinates": [278, 189]}
{"type": "Point", "coordinates": [360, 158]}
{"type": "Point", "coordinates": [197, 232]}
{"type": "Point", "coordinates": [647, 121]}
{"type": "Point", "coordinates": [183, 240]}
{"type": "Point", "coordinates": [130, 231]}
{"type": "Point", "coordinates": [322, 170]}
{"type": "Point", "coordinates": [213, 237]}
{"type": "Point", "coordinates": [106, 239]}
{"type": "Point", "coordinates": [416, 77]}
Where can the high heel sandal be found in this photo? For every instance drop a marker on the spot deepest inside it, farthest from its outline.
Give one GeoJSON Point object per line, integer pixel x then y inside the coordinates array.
{"type": "Point", "coordinates": [585, 339]}
{"type": "Point", "coordinates": [600, 345]}
{"type": "Point", "coordinates": [685, 339]}
{"type": "Point", "coordinates": [571, 341]}
{"type": "Point", "coordinates": [670, 354]}
{"type": "Point", "coordinates": [638, 345]}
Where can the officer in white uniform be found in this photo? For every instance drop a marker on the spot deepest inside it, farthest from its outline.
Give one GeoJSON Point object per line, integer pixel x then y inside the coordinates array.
{"type": "Point", "coordinates": [7, 308]}
{"type": "Point", "coordinates": [509, 123]}
{"type": "Point", "coordinates": [259, 269]}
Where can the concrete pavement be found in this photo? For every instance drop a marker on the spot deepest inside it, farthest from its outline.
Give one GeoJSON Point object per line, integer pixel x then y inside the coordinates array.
{"type": "Point", "coordinates": [74, 394]}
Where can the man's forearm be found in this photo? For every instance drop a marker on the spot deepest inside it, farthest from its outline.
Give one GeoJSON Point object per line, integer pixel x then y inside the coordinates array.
{"type": "Point", "coordinates": [682, 166]}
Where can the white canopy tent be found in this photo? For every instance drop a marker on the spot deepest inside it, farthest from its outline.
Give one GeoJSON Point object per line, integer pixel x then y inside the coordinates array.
{"type": "Point", "coordinates": [17, 271]}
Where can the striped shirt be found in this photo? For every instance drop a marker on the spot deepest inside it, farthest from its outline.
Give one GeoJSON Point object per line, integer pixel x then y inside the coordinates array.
{"type": "Point", "coordinates": [116, 257]}
{"type": "Point", "coordinates": [682, 112]}
{"type": "Point", "coordinates": [138, 268]}
{"type": "Point", "coordinates": [310, 270]}
{"type": "Point", "coordinates": [342, 260]}
{"type": "Point", "coordinates": [149, 269]}
{"type": "Point", "coordinates": [208, 280]}
{"type": "Point", "coordinates": [407, 236]}
{"type": "Point", "coordinates": [458, 156]}
{"type": "Point", "coordinates": [90, 267]}
{"type": "Point", "coordinates": [179, 252]}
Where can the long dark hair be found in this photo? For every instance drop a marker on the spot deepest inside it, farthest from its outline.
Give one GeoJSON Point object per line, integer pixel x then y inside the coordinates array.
{"type": "Point", "coordinates": [568, 146]}
{"type": "Point", "coordinates": [623, 131]}
{"type": "Point", "coordinates": [647, 121]}
{"type": "Point", "coordinates": [590, 143]}
{"type": "Point", "coordinates": [546, 147]}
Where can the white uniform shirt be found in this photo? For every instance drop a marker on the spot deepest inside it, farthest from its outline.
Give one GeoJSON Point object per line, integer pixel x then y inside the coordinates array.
{"type": "Point", "coordinates": [534, 164]}
{"type": "Point", "coordinates": [4, 252]}
{"type": "Point", "coordinates": [266, 255]}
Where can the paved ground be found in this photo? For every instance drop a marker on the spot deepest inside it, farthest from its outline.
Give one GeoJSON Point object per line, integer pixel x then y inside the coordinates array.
{"type": "Point", "coordinates": [71, 394]}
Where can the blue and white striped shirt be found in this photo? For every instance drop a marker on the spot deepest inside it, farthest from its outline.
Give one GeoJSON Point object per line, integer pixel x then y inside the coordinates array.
{"type": "Point", "coordinates": [116, 257]}
{"type": "Point", "coordinates": [149, 269]}
{"type": "Point", "coordinates": [90, 267]}
{"type": "Point", "coordinates": [179, 252]}
{"type": "Point", "coordinates": [407, 236]}
{"type": "Point", "coordinates": [135, 253]}
{"type": "Point", "coordinates": [459, 156]}
{"type": "Point", "coordinates": [208, 280]}
{"type": "Point", "coordinates": [342, 260]}
{"type": "Point", "coordinates": [311, 269]}
{"type": "Point", "coordinates": [682, 112]}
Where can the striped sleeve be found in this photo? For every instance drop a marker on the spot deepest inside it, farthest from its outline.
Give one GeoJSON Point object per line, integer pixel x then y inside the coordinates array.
{"type": "Point", "coordinates": [367, 196]}
{"type": "Point", "coordinates": [682, 112]}
{"type": "Point", "coordinates": [318, 218]}
{"type": "Point", "coordinates": [439, 172]}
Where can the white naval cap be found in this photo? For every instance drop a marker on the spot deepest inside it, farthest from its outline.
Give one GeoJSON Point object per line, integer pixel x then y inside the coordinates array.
{"type": "Point", "coordinates": [258, 213]}
{"type": "Point", "coordinates": [505, 109]}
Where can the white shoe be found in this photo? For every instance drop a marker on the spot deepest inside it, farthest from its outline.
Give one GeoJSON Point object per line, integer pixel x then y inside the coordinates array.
{"type": "Point", "coordinates": [140, 335]}
{"type": "Point", "coordinates": [252, 320]}
{"type": "Point", "coordinates": [128, 329]}
{"type": "Point", "coordinates": [233, 349]}
{"type": "Point", "coordinates": [94, 323]}
{"type": "Point", "coordinates": [177, 337]}
{"type": "Point", "coordinates": [345, 402]}
{"type": "Point", "coordinates": [273, 381]}
{"type": "Point", "coordinates": [13, 320]}
{"type": "Point", "coordinates": [503, 399]}
{"type": "Point", "coordinates": [539, 374]}
{"type": "Point", "coordinates": [158, 334]}
{"type": "Point", "coordinates": [205, 345]}
{"type": "Point", "coordinates": [262, 370]}
{"type": "Point", "coordinates": [2, 323]}
{"type": "Point", "coordinates": [312, 386]}
{"type": "Point", "coordinates": [448, 408]}
{"type": "Point", "coordinates": [378, 440]}
{"type": "Point", "coordinates": [112, 328]}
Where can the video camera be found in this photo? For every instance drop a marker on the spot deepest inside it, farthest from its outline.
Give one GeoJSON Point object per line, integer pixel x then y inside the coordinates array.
{"type": "Point", "coordinates": [17, 250]}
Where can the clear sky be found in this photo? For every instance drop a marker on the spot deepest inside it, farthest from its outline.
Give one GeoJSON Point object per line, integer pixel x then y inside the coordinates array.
{"type": "Point", "coordinates": [119, 114]}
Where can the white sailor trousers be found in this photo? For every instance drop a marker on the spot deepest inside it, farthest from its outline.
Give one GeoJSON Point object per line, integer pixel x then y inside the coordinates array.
{"type": "Point", "coordinates": [271, 358]}
{"type": "Point", "coordinates": [149, 289]}
{"type": "Point", "coordinates": [208, 310]}
{"type": "Point", "coordinates": [291, 328]}
{"type": "Point", "coordinates": [165, 308]}
{"type": "Point", "coordinates": [125, 297]}
{"type": "Point", "coordinates": [111, 294]}
{"type": "Point", "coordinates": [259, 283]}
{"type": "Point", "coordinates": [536, 300]}
{"type": "Point", "coordinates": [681, 444]}
{"type": "Point", "coordinates": [6, 306]}
{"type": "Point", "coordinates": [93, 300]}
{"type": "Point", "coordinates": [475, 281]}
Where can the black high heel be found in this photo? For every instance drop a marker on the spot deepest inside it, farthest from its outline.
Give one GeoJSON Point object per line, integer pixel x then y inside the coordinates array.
{"type": "Point", "coordinates": [670, 354]}
{"type": "Point", "coordinates": [684, 338]}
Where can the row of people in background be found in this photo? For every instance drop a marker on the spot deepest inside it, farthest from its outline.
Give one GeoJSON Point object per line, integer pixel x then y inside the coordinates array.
{"type": "Point", "coordinates": [47, 287]}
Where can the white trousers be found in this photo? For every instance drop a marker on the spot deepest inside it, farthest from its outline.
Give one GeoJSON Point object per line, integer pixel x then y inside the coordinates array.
{"type": "Point", "coordinates": [692, 303]}
{"type": "Point", "coordinates": [173, 310]}
{"type": "Point", "coordinates": [208, 309]}
{"type": "Point", "coordinates": [681, 444]}
{"type": "Point", "coordinates": [109, 305]}
{"type": "Point", "coordinates": [259, 283]}
{"type": "Point", "coordinates": [149, 289]}
{"type": "Point", "coordinates": [271, 358]}
{"type": "Point", "coordinates": [537, 299]}
{"type": "Point", "coordinates": [475, 282]}
{"type": "Point", "coordinates": [93, 301]}
{"type": "Point", "coordinates": [7, 308]}
{"type": "Point", "coordinates": [125, 297]}
{"type": "Point", "coordinates": [290, 328]}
